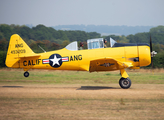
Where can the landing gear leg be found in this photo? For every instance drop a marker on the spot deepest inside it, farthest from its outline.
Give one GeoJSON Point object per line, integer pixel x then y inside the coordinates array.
{"type": "Point", "coordinates": [26, 74]}
{"type": "Point", "coordinates": [124, 82]}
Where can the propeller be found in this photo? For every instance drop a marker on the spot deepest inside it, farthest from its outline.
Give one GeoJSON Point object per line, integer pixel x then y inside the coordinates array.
{"type": "Point", "coordinates": [151, 50]}
{"type": "Point", "coordinates": [150, 45]}
{"type": "Point", "coordinates": [153, 53]}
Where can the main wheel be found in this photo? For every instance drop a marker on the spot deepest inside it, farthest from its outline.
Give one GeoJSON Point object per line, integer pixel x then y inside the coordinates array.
{"type": "Point", "coordinates": [26, 74]}
{"type": "Point", "coordinates": [125, 83]}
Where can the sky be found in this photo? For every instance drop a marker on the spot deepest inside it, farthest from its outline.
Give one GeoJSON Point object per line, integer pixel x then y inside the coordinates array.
{"type": "Point", "coordinates": [86, 12]}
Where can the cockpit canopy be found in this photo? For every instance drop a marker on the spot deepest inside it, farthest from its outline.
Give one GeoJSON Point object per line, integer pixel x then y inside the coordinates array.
{"type": "Point", "coordinates": [95, 43]}
{"type": "Point", "coordinates": [98, 43]}
{"type": "Point", "coordinates": [91, 43]}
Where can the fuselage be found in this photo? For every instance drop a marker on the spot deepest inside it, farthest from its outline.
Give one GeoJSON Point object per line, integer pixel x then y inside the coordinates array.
{"type": "Point", "coordinates": [80, 59]}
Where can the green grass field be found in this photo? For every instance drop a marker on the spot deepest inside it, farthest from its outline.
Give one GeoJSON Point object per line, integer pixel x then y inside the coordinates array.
{"type": "Point", "coordinates": [77, 77]}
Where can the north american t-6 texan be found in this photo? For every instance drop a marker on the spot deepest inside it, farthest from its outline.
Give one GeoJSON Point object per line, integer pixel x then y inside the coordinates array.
{"type": "Point", "coordinates": [118, 56]}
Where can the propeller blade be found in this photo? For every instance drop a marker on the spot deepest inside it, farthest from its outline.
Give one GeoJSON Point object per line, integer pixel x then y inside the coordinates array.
{"type": "Point", "coordinates": [151, 45]}
{"type": "Point", "coordinates": [151, 49]}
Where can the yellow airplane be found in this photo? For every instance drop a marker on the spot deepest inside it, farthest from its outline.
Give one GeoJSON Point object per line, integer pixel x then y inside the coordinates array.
{"type": "Point", "coordinates": [96, 58]}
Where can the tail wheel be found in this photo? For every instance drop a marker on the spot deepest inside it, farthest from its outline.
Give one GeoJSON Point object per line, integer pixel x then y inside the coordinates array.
{"type": "Point", "coordinates": [125, 83]}
{"type": "Point", "coordinates": [26, 74]}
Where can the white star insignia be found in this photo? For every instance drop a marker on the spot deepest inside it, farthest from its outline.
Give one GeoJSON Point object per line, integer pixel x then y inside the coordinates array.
{"type": "Point", "coordinates": [55, 60]}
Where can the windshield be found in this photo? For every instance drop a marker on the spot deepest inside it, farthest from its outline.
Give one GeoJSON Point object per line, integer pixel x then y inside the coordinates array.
{"type": "Point", "coordinates": [72, 46]}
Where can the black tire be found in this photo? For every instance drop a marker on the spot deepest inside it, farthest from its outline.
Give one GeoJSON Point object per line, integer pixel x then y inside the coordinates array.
{"type": "Point", "coordinates": [26, 74]}
{"type": "Point", "coordinates": [125, 83]}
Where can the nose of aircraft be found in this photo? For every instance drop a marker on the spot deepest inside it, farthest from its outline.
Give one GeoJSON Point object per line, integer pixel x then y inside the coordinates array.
{"type": "Point", "coordinates": [144, 55]}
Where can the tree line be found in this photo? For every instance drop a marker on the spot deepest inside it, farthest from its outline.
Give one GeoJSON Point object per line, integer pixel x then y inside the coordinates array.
{"type": "Point", "coordinates": [50, 39]}
{"type": "Point", "coordinates": [106, 29]}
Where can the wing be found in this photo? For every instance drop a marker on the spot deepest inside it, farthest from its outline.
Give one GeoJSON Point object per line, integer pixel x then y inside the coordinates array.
{"type": "Point", "coordinates": [108, 64]}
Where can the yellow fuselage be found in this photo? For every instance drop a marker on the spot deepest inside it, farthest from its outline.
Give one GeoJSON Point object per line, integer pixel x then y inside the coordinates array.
{"type": "Point", "coordinates": [80, 59]}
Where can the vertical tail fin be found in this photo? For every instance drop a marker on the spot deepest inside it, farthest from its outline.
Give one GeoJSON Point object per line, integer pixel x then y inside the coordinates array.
{"type": "Point", "coordinates": [17, 48]}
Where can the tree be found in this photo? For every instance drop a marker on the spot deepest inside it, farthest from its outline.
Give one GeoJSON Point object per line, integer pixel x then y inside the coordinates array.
{"type": "Point", "coordinates": [6, 30]}
{"type": "Point", "coordinates": [23, 31]}
{"type": "Point", "coordinates": [158, 60]}
{"type": "Point", "coordinates": [159, 29]}
{"type": "Point", "coordinates": [65, 43]}
{"type": "Point", "coordinates": [1, 35]}
{"type": "Point", "coordinates": [2, 58]}
{"type": "Point", "coordinates": [55, 46]}
{"type": "Point", "coordinates": [3, 44]}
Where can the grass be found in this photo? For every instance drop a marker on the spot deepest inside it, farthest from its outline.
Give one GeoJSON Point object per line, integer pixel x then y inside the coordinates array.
{"type": "Point", "coordinates": [73, 77]}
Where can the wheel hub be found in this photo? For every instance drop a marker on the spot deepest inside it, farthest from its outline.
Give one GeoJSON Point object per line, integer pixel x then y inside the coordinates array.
{"type": "Point", "coordinates": [125, 82]}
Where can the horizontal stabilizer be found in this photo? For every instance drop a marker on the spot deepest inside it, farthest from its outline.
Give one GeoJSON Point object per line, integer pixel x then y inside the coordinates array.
{"type": "Point", "coordinates": [29, 55]}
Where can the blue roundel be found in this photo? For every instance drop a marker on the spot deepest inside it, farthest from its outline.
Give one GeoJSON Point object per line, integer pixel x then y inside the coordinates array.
{"type": "Point", "coordinates": [55, 60]}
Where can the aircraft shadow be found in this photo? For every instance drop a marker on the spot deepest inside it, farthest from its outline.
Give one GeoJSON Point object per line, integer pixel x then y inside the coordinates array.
{"type": "Point", "coordinates": [96, 88]}
{"type": "Point", "coordinates": [13, 86]}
